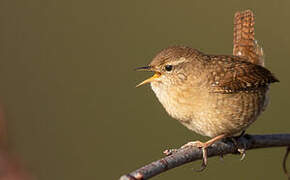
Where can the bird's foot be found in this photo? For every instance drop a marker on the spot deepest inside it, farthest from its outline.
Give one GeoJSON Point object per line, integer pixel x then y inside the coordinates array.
{"type": "Point", "coordinates": [203, 147]}
{"type": "Point", "coordinates": [241, 150]}
{"type": "Point", "coordinates": [197, 144]}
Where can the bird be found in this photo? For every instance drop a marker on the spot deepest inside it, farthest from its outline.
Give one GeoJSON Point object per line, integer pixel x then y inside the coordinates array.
{"type": "Point", "coordinates": [217, 96]}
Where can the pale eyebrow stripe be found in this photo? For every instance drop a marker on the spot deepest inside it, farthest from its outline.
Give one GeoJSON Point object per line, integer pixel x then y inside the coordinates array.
{"type": "Point", "coordinates": [180, 60]}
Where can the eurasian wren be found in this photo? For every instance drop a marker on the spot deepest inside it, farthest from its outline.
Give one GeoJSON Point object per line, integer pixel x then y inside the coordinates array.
{"type": "Point", "coordinates": [214, 95]}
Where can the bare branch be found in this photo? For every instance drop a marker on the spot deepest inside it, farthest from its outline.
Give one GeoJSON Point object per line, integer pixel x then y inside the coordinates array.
{"type": "Point", "coordinates": [183, 156]}
{"type": "Point", "coordinates": [284, 162]}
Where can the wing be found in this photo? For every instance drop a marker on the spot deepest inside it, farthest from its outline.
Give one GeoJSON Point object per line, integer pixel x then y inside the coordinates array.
{"type": "Point", "coordinates": [231, 74]}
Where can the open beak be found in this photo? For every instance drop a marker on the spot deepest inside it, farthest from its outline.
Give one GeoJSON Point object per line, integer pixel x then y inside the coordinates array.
{"type": "Point", "coordinates": [153, 78]}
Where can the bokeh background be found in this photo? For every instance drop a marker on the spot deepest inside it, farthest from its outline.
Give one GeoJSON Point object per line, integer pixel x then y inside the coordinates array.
{"type": "Point", "coordinates": [68, 85]}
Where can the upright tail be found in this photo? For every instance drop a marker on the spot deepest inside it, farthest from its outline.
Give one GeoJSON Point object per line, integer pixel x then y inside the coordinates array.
{"type": "Point", "coordinates": [245, 44]}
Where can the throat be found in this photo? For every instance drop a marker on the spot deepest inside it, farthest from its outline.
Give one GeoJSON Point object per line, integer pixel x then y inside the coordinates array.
{"type": "Point", "coordinates": [177, 102]}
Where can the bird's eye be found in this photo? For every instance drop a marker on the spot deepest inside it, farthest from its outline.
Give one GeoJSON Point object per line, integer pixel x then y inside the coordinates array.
{"type": "Point", "coordinates": [168, 67]}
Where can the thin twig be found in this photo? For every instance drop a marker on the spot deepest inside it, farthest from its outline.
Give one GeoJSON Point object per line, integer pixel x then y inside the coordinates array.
{"type": "Point", "coordinates": [183, 156]}
{"type": "Point", "coordinates": [284, 162]}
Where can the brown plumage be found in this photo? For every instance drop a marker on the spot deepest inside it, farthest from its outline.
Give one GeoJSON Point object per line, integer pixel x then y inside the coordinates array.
{"type": "Point", "coordinates": [244, 41]}
{"type": "Point", "coordinates": [214, 95]}
{"type": "Point", "coordinates": [210, 94]}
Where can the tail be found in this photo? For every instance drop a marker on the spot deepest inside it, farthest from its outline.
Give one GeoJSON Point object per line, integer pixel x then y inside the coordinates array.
{"type": "Point", "coordinates": [245, 44]}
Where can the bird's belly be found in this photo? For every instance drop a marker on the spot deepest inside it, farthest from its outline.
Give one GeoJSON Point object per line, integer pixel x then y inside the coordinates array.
{"type": "Point", "coordinates": [227, 113]}
{"type": "Point", "coordinates": [215, 114]}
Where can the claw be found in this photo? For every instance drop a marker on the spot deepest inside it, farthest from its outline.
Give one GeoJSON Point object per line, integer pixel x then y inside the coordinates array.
{"type": "Point", "coordinates": [203, 166]}
{"type": "Point", "coordinates": [204, 160]}
{"type": "Point", "coordinates": [221, 157]}
{"type": "Point", "coordinates": [243, 153]}
{"type": "Point", "coordinates": [169, 152]}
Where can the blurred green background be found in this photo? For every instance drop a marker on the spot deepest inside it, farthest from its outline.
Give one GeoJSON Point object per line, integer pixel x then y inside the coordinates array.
{"type": "Point", "coordinates": [68, 85]}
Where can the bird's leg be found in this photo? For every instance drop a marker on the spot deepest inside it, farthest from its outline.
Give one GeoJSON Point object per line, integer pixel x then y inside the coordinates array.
{"type": "Point", "coordinates": [242, 150]}
{"type": "Point", "coordinates": [241, 135]}
{"type": "Point", "coordinates": [204, 147]}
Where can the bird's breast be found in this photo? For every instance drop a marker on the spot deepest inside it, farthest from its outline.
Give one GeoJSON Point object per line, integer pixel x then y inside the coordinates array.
{"type": "Point", "coordinates": [211, 114]}
{"type": "Point", "coordinates": [179, 102]}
